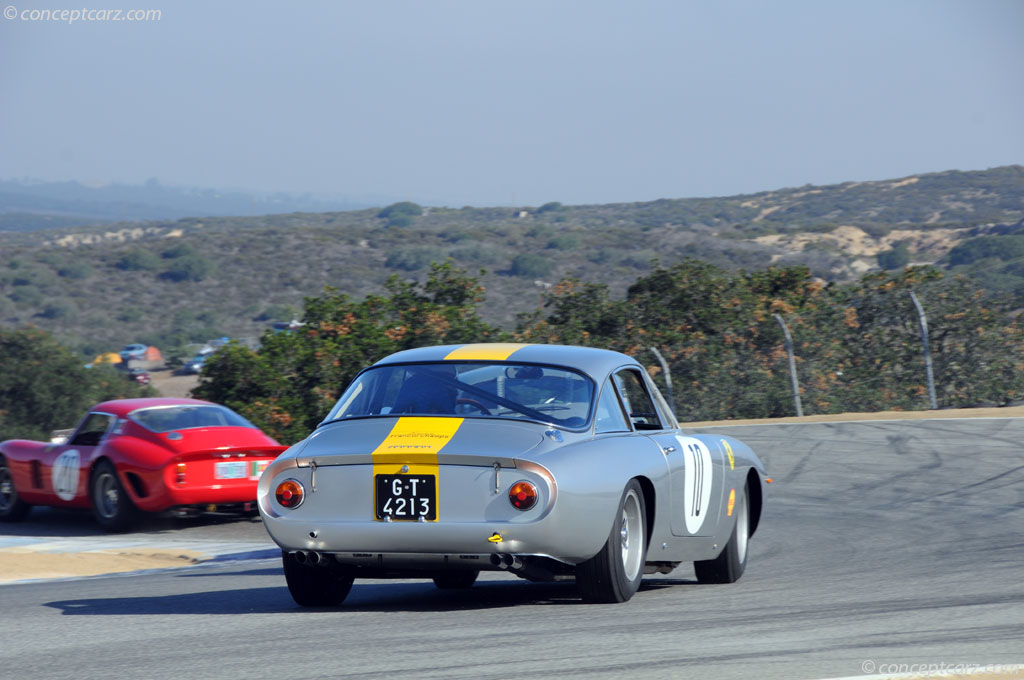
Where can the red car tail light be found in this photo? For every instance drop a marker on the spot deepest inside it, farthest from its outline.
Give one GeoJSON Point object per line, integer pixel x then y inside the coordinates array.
{"type": "Point", "coordinates": [179, 474]}
{"type": "Point", "coordinates": [290, 493]}
{"type": "Point", "coordinates": [522, 495]}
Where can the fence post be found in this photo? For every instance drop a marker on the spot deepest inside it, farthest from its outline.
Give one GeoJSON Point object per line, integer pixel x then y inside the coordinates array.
{"type": "Point", "coordinates": [668, 379]}
{"type": "Point", "coordinates": [792, 367]}
{"type": "Point", "coordinates": [927, 352]}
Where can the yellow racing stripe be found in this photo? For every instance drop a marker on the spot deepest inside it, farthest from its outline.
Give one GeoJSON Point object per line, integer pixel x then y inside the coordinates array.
{"type": "Point", "coordinates": [414, 442]}
{"type": "Point", "coordinates": [486, 351]}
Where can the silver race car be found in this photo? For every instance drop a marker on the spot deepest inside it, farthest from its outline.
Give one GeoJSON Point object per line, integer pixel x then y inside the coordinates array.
{"type": "Point", "coordinates": [550, 462]}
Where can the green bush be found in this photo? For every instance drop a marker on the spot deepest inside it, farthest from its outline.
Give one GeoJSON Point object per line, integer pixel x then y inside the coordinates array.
{"type": "Point", "coordinates": [1002, 247]}
{"type": "Point", "coordinates": [476, 254]}
{"type": "Point", "coordinates": [896, 258]}
{"type": "Point", "coordinates": [189, 268]}
{"type": "Point", "coordinates": [130, 315]}
{"type": "Point", "coordinates": [412, 258]}
{"type": "Point", "coordinates": [138, 260]}
{"type": "Point", "coordinates": [400, 214]}
{"type": "Point", "coordinates": [180, 249]}
{"type": "Point", "coordinates": [27, 296]}
{"type": "Point", "coordinates": [60, 309]}
{"type": "Point", "coordinates": [76, 270]}
{"type": "Point", "coordinates": [530, 265]}
{"type": "Point", "coordinates": [564, 242]}
{"type": "Point", "coordinates": [549, 207]}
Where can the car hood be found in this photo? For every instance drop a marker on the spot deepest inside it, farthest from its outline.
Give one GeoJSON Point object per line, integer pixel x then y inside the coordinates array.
{"type": "Point", "coordinates": [455, 441]}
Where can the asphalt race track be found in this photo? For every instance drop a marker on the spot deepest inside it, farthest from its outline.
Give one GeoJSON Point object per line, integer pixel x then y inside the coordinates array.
{"type": "Point", "coordinates": [883, 543]}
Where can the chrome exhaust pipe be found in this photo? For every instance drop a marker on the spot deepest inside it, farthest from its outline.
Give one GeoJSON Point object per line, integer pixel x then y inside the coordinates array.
{"type": "Point", "coordinates": [301, 557]}
{"type": "Point", "coordinates": [498, 560]}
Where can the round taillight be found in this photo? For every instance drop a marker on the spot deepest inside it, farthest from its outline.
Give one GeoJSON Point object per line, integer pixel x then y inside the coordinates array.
{"type": "Point", "coordinates": [522, 495]}
{"type": "Point", "coordinates": [290, 493]}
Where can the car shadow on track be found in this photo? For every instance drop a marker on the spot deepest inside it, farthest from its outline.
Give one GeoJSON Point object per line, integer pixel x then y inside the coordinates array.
{"type": "Point", "coordinates": [404, 596]}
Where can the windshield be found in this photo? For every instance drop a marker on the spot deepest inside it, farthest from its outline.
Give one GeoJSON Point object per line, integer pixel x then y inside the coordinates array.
{"type": "Point", "coordinates": [167, 418]}
{"type": "Point", "coordinates": [559, 396]}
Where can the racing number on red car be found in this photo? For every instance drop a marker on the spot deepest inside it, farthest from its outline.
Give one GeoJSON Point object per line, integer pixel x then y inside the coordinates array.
{"type": "Point", "coordinates": [65, 474]}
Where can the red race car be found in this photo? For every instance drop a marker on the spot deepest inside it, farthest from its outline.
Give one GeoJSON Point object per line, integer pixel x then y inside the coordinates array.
{"type": "Point", "coordinates": [138, 454]}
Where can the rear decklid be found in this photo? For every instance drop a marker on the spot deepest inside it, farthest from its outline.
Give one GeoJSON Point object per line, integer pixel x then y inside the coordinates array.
{"type": "Point", "coordinates": [452, 440]}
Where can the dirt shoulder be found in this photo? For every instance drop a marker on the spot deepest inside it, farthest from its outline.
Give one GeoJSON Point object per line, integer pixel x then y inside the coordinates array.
{"type": "Point", "coordinates": [170, 385]}
{"type": "Point", "coordinates": [17, 564]}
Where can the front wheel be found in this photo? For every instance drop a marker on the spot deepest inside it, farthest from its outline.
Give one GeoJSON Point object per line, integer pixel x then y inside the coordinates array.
{"type": "Point", "coordinates": [614, 574]}
{"type": "Point", "coordinates": [12, 508]}
{"type": "Point", "coordinates": [316, 586]}
{"type": "Point", "coordinates": [732, 561]}
{"type": "Point", "coordinates": [111, 506]}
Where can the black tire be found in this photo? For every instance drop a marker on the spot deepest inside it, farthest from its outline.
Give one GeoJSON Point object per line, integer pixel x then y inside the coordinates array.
{"type": "Point", "coordinates": [614, 574]}
{"type": "Point", "coordinates": [456, 580]}
{"type": "Point", "coordinates": [732, 561]}
{"type": "Point", "coordinates": [316, 586]}
{"type": "Point", "coordinates": [113, 509]}
{"type": "Point", "coordinates": [12, 508]}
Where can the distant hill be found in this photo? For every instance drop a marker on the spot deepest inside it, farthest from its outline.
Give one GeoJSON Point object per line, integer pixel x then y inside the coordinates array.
{"type": "Point", "coordinates": [31, 205]}
{"type": "Point", "coordinates": [172, 281]}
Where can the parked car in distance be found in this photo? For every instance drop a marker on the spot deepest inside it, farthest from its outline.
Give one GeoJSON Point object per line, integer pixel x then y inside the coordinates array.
{"type": "Point", "coordinates": [140, 375]}
{"type": "Point", "coordinates": [139, 455]}
{"type": "Point", "coordinates": [133, 351]}
{"type": "Point", "coordinates": [194, 365]}
{"type": "Point", "coordinates": [549, 462]}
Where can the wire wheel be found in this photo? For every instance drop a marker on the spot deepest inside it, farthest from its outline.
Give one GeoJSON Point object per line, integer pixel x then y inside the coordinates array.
{"type": "Point", "coordinates": [631, 534]}
{"type": "Point", "coordinates": [106, 495]}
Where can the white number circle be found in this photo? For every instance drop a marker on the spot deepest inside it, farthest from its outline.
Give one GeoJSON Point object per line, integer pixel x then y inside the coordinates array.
{"type": "Point", "coordinates": [65, 474]}
{"type": "Point", "coordinates": [697, 473]}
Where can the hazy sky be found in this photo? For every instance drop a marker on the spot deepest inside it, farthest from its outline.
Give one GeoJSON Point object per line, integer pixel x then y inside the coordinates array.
{"type": "Point", "coordinates": [484, 102]}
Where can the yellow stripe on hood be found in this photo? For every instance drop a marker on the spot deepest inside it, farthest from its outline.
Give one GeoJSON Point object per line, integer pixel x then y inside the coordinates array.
{"type": "Point", "coordinates": [486, 351]}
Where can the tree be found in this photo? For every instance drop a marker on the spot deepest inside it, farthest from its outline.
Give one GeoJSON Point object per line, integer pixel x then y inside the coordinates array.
{"type": "Point", "coordinates": [44, 386]}
{"type": "Point", "coordinates": [139, 260]}
{"type": "Point", "coordinates": [530, 265]}
{"type": "Point", "coordinates": [189, 268]}
{"type": "Point", "coordinates": [291, 382]}
{"type": "Point", "coordinates": [896, 258]}
{"type": "Point", "coordinates": [400, 214]}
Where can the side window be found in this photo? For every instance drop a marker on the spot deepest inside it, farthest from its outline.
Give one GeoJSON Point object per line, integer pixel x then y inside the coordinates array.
{"type": "Point", "coordinates": [639, 404]}
{"type": "Point", "coordinates": [610, 417]}
{"type": "Point", "coordinates": [92, 430]}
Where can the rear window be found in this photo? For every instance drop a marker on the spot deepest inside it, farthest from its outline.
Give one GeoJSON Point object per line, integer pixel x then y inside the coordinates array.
{"type": "Point", "coordinates": [186, 417]}
{"type": "Point", "coordinates": [549, 394]}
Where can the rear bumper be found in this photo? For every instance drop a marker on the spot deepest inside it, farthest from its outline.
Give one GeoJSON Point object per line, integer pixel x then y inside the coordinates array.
{"type": "Point", "coordinates": [158, 490]}
{"type": "Point", "coordinates": [473, 517]}
{"type": "Point", "coordinates": [170, 498]}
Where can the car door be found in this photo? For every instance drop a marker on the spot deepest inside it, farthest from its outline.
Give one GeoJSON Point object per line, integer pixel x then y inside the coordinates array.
{"type": "Point", "coordinates": [695, 469]}
{"type": "Point", "coordinates": [65, 466]}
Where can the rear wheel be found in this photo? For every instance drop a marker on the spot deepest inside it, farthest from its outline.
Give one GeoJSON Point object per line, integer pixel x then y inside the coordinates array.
{"type": "Point", "coordinates": [732, 561]}
{"type": "Point", "coordinates": [12, 508]}
{"type": "Point", "coordinates": [316, 586]}
{"type": "Point", "coordinates": [112, 507]}
{"type": "Point", "coordinates": [456, 580]}
{"type": "Point", "coordinates": [614, 574]}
